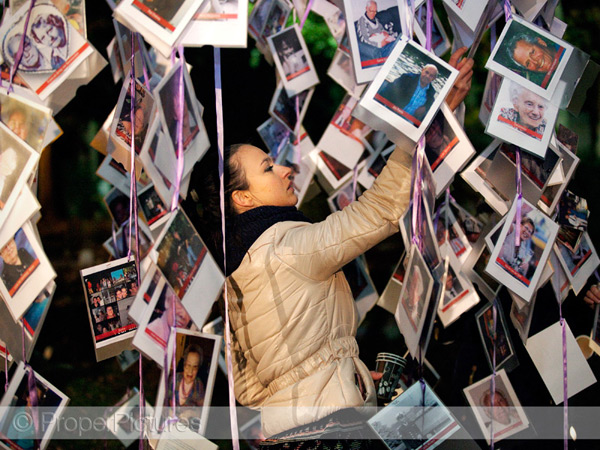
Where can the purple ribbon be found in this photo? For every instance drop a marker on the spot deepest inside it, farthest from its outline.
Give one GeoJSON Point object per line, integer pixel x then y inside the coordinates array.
{"type": "Point", "coordinates": [493, 36]}
{"type": "Point", "coordinates": [19, 55]}
{"type": "Point", "coordinates": [429, 25]}
{"type": "Point", "coordinates": [507, 11]}
{"type": "Point", "coordinates": [220, 136]}
{"type": "Point", "coordinates": [519, 199]}
{"type": "Point", "coordinates": [111, 4]}
{"type": "Point", "coordinates": [417, 199]}
{"type": "Point", "coordinates": [308, 8]}
{"type": "Point", "coordinates": [565, 380]}
{"type": "Point", "coordinates": [31, 384]}
{"type": "Point", "coordinates": [6, 369]}
{"type": "Point", "coordinates": [493, 379]}
{"type": "Point", "coordinates": [181, 111]}
{"type": "Point", "coordinates": [142, 405]}
{"type": "Point", "coordinates": [409, 7]}
{"type": "Point", "coordinates": [144, 67]}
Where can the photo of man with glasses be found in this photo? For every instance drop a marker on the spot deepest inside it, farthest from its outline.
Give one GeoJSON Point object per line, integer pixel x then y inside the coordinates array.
{"type": "Point", "coordinates": [520, 258]}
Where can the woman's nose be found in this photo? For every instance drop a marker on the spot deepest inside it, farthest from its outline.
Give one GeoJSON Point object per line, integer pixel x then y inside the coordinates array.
{"type": "Point", "coordinates": [284, 171]}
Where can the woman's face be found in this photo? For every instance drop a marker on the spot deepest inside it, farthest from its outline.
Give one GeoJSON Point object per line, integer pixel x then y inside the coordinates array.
{"type": "Point", "coordinates": [269, 184]}
{"type": "Point", "coordinates": [10, 253]}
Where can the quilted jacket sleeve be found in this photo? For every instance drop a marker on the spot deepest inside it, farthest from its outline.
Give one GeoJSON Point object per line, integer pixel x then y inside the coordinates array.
{"type": "Point", "coordinates": [319, 250]}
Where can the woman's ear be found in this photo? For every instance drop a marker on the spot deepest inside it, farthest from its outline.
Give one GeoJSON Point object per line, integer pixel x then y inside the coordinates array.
{"type": "Point", "coordinates": [242, 200]}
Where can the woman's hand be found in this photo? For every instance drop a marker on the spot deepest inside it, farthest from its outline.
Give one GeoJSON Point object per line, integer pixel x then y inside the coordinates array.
{"type": "Point", "coordinates": [462, 85]}
{"type": "Point", "coordinates": [376, 377]}
{"type": "Point", "coordinates": [592, 297]}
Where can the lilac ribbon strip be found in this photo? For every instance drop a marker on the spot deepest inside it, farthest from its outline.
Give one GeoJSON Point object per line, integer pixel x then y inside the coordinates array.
{"type": "Point", "coordinates": [409, 13]}
{"type": "Point", "coordinates": [565, 380]}
{"type": "Point", "coordinates": [220, 137]}
{"type": "Point", "coordinates": [296, 137]}
{"type": "Point", "coordinates": [493, 36]}
{"type": "Point", "coordinates": [181, 111]}
{"type": "Point", "coordinates": [308, 8]}
{"type": "Point", "coordinates": [142, 404]}
{"type": "Point", "coordinates": [519, 199]}
{"type": "Point", "coordinates": [429, 25]}
{"type": "Point", "coordinates": [507, 11]}
{"type": "Point", "coordinates": [493, 379]}
{"type": "Point", "coordinates": [282, 144]}
{"type": "Point", "coordinates": [6, 369]}
{"type": "Point", "coordinates": [418, 195]}
{"type": "Point", "coordinates": [111, 4]}
{"type": "Point", "coordinates": [144, 67]}
{"type": "Point", "coordinates": [19, 55]}
{"type": "Point", "coordinates": [173, 342]}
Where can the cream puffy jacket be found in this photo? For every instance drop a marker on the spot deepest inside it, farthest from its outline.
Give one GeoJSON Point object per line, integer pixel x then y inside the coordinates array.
{"type": "Point", "coordinates": [292, 313]}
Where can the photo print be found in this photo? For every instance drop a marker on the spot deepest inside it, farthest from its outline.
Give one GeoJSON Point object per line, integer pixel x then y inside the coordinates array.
{"type": "Point", "coordinates": [24, 271]}
{"type": "Point", "coordinates": [195, 355]}
{"type": "Point", "coordinates": [374, 166]}
{"type": "Point", "coordinates": [267, 18]}
{"type": "Point", "coordinates": [408, 90]}
{"type": "Point", "coordinates": [580, 264]}
{"type": "Point", "coordinates": [117, 204]}
{"type": "Point", "coordinates": [414, 300]}
{"type": "Point", "coordinates": [28, 120]}
{"type": "Point", "coordinates": [430, 251]}
{"type": "Point", "coordinates": [506, 417]}
{"type": "Point", "coordinates": [536, 172]}
{"type": "Point", "coordinates": [373, 29]}
{"type": "Point", "coordinates": [342, 72]}
{"type": "Point", "coordinates": [218, 327]}
{"type": "Point", "coordinates": [552, 193]}
{"type": "Point", "coordinates": [283, 107]}
{"type": "Point", "coordinates": [17, 162]}
{"type": "Point", "coordinates": [141, 57]}
{"type": "Point", "coordinates": [490, 93]}
{"type": "Point", "coordinates": [117, 245]}
{"type": "Point", "coordinates": [573, 214]}
{"type": "Point", "coordinates": [450, 236]}
{"type": "Point", "coordinates": [459, 294]}
{"type": "Point", "coordinates": [17, 402]}
{"type": "Point", "coordinates": [164, 311]}
{"type": "Point", "coordinates": [52, 48]}
{"type": "Point", "coordinates": [194, 136]}
{"type": "Point", "coordinates": [362, 287]}
{"type": "Point", "coordinates": [188, 266]}
{"type": "Point", "coordinates": [123, 126]}
{"type": "Point", "coordinates": [293, 60]}
{"type": "Point", "coordinates": [530, 56]}
{"type": "Point", "coordinates": [110, 289]}
{"type": "Point", "coordinates": [523, 118]}
{"type": "Point", "coordinates": [297, 156]}
{"type": "Point", "coordinates": [415, 419]}
{"type": "Point", "coordinates": [521, 318]}
{"type": "Point", "coordinates": [440, 43]}
{"type": "Point", "coordinates": [152, 277]}
{"type": "Point", "coordinates": [221, 23]}
{"type": "Point", "coordinates": [388, 299]}
{"type": "Point", "coordinates": [520, 268]}
{"type": "Point", "coordinates": [498, 338]}
{"type": "Point", "coordinates": [28, 210]}
{"type": "Point", "coordinates": [152, 206]}
{"type": "Point", "coordinates": [275, 136]}
{"type": "Point", "coordinates": [343, 196]}
{"type": "Point", "coordinates": [468, 12]}
{"type": "Point", "coordinates": [475, 174]}
{"type": "Point", "coordinates": [124, 423]}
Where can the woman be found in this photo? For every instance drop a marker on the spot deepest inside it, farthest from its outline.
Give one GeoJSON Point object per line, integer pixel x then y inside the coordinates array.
{"type": "Point", "coordinates": [292, 312]}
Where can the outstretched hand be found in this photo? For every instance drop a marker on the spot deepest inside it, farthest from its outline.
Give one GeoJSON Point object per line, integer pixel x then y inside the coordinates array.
{"type": "Point", "coordinates": [592, 296]}
{"type": "Point", "coordinates": [462, 85]}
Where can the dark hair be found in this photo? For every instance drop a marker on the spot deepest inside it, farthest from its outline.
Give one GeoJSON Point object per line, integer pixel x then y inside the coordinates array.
{"type": "Point", "coordinates": [193, 348]}
{"type": "Point", "coordinates": [207, 198]}
{"type": "Point", "coordinates": [51, 19]}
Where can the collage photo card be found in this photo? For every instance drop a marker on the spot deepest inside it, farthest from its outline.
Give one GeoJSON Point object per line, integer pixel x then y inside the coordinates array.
{"type": "Point", "coordinates": [188, 266]}
{"type": "Point", "coordinates": [293, 60]}
{"type": "Point", "coordinates": [410, 71]}
{"type": "Point", "coordinates": [24, 270]}
{"type": "Point", "coordinates": [190, 388]}
{"type": "Point", "coordinates": [110, 289]}
{"type": "Point", "coordinates": [530, 56]}
{"type": "Point", "coordinates": [520, 268]}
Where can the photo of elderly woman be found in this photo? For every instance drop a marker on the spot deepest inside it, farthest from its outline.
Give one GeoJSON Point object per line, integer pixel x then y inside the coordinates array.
{"type": "Point", "coordinates": [17, 262]}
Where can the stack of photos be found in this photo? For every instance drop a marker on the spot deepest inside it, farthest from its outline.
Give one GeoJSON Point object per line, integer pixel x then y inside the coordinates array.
{"type": "Point", "coordinates": [123, 53]}
{"type": "Point", "coordinates": [417, 419]}
{"type": "Point", "coordinates": [110, 289]}
{"type": "Point", "coordinates": [450, 235]}
{"type": "Point", "coordinates": [530, 56]}
{"type": "Point", "coordinates": [16, 402]}
{"type": "Point", "coordinates": [293, 60]}
{"type": "Point", "coordinates": [287, 110]}
{"type": "Point", "coordinates": [495, 338]}
{"type": "Point", "coordinates": [475, 264]}
{"type": "Point", "coordinates": [580, 264]}
{"type": "Point", "coordinates": [447, 148]}
{"type": "Point", "coordinates": [523, 118]}
{"type": "Point", "coordinates": [53, 49]}
{"type": "Point", "coordinates": [459, 293]}
{"type": "Point", "coordinates": [373, 29]}
{"type": "Point", "coordinates": [118, 244]}
{"type": "Point", "coordinates": [342, 72]}
{"type": "Point", "coordinates": [414, 300]}
{"type": "Point", "coordinates": [188, 266]}
{"type": "Point", "coordinates": [187, 397]}
{"type": "Point", "coordinates": [536, 172]}
{"type": "Point", "coordinates": [220, 23]}
{"type": "Point", "coordinates": [407, 92]}
{"type": "Point", "coordinates": [506, 417]}
{"type": "Point", "coordinates": [520, 268]}
{"type": "Point", "coordinates": [425, 231]}
{"type": "Point", "coordinates": [160, 23]}
{"type": "Point", "coordinates": [164, 311]}
{"type": "Point", "coordinates": [297, 156]}
{"type": "Point", "coordinates": [268, 17]}
{"type": "Point", "coordinates": [24, 270]}
{"type": "Point", "coordinates": [374, 166]}
{"type": "Point", "coordinates": [194, 138]}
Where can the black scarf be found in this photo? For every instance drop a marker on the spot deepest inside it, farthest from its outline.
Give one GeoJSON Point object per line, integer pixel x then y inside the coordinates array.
{"type": "Point", "coordinates": [245, 228]}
